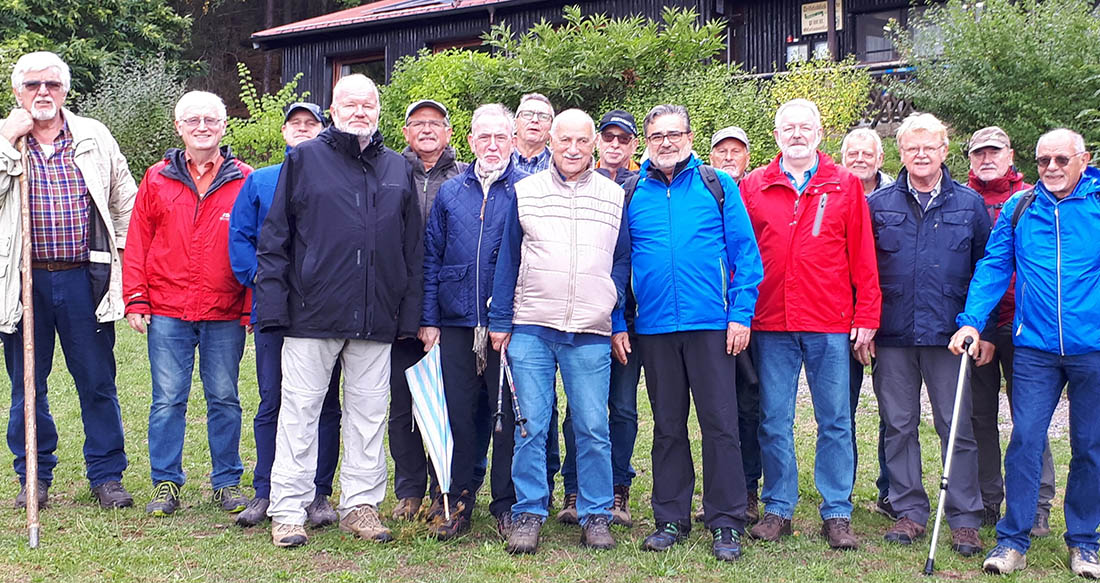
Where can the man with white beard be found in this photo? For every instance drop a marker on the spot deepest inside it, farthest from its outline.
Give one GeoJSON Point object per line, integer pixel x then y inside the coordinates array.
{"type": "Point", "coordinates": [81, 196]}
{"type": "Point", "coordinates": [339, 276]}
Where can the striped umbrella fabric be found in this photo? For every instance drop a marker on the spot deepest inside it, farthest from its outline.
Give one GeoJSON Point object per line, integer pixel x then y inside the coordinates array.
{"type": "Point", "coordinates": [430, 413]}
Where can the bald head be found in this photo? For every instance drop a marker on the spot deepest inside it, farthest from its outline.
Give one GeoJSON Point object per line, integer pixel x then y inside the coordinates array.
{"type": "Point", "coordinates": [1062, 159]}
{"type": "Point", "coordinates": [355, 105]}
{"type": "Point", "coordinates": [572, 141]}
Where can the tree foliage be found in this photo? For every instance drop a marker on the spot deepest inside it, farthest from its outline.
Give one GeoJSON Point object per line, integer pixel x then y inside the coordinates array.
{"type": "Point", "coordinates": [1025, 65]}
{"type": "Point", "coordinates": [258, 139]}
{"type": "Point", "coordinates": [839, 90]}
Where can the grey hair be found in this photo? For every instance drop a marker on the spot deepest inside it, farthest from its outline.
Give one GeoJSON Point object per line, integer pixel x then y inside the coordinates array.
{"type": "Point", "coordinates": [573, 113]}
{"type": "Point", "coordinates": [667, 109]}
{"type": "Point", "coordinates": [536, 97]}
{"type": "Point", "coordinates": [861, 133]}
{"type": "Point", "coordinates": [922, 122]}
{"type": "Point", "coordinates": [199, 99]}
{"type": "Point", "coordinates": [493, 109]}
{"type": "Point", "coordinates": [1078, 140]}
{"type": "Point", "coordinates": [798, 102]}
{"type": "Point", "coordinates": [40, 61]}
{"type": "Point", "coordinates": [355, 78]}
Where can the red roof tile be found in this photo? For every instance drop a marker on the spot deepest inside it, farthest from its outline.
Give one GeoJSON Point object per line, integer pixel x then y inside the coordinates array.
{"type": "Point", "coordinates": [373, 12]}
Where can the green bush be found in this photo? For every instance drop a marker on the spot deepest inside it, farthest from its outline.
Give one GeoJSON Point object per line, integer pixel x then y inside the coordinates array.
{"type": "Point", "coordinates": [1025, 65]}
{"type": "Point", "coordinates": [839, 89]}
{"type": "Point", "coordinates": [136, 101]}
{"type": "Point", "coordinates": [258, 138]}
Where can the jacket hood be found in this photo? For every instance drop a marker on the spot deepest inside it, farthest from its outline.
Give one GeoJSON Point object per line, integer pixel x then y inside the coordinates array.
{"type": "Point", "coordinates": [1001, 186]}
{"type": "Point", "coordinates": [827, 171]}
{"type": "Point", "coordinates": [176, 168]}
{"type": "Point", "coordinates": [347, 143]}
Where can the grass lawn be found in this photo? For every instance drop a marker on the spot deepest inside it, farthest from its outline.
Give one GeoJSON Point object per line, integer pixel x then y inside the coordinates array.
{"type": "Point", "coordinates": [80, 542]}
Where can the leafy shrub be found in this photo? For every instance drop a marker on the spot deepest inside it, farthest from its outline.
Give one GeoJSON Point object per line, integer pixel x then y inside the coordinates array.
{"type": "Point", "coordinates": [839, 89]}
{"type": "Point", "coordinates": [258, 138]}
{"type": "Point", "coordinates": [136, 101]}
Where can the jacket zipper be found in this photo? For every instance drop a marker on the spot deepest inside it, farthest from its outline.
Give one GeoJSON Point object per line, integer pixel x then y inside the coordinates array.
{"type": "Point", "coordinates": [724, 274]}
{"type": "Point", "coordinates": [1058, 274]}
{"type": "Point", "coordinates": [1023, 295]}
{"type": "Point", "coordinates": [672, 253]}
{"type": "Point", "coordinates": [572, 257]}
{"type": "Point", "coordinates": [477, 265]}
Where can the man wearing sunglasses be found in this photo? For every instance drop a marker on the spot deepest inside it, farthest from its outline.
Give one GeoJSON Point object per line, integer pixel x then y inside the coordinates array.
{"type": "Point", "coordinates": [1047, 237]}
{"type": "Point", "coordinates": [81, 195]}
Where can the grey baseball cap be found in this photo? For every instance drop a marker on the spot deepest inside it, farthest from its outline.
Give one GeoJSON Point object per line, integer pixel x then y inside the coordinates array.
{"type": "Point", "coordinates": [730, 132]}
{"type": "Point", "coordinates": [426, 103]}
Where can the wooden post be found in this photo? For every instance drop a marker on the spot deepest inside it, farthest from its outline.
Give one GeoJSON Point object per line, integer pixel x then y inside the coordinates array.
{"type": "Point", "coordinates": [30, 423]}
{"type": "Point", "coordinates": [830, 22]}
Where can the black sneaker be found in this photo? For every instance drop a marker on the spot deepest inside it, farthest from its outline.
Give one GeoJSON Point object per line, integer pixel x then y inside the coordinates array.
{"type": "Point", "coordinates": [166, 499]}
{"type": "Point", "coordinates": [43, 495]}
{"type": "Point", "coordinates": [525, 534]}
{"type": "Point", "coordinates": [727, 544]}
{"type": "Point", "coordinates": [255, 513]}
{"type": "Point", "coordinates": [230, 499]}
{"type": "Point", "coordinates": [990, 515]}
{"type": "Point", "coordinates": [320, 512]}
{"type": "Point", "coordinates": [112, 495]}
{"type": "Point", "coordinates": [666, 535]}
{"type": "Point", "coordinates": [885, 508]}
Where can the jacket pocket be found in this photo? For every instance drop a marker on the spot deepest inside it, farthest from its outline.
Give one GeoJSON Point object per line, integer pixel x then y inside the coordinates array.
{"type": "Point", "coordinates": [957, 229]}
{"type": "Point", "coordinates": [888, 230]}
{"type": "Point", "coordinates": [455, 301]}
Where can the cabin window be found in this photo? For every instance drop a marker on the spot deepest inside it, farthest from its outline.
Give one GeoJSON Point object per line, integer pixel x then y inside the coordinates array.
{"type": "Point", "coordinates": [372, 65]}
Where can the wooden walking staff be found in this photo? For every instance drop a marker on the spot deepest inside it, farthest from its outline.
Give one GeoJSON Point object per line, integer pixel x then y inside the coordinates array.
{"type": "Point", "coordinates": [30, 424]}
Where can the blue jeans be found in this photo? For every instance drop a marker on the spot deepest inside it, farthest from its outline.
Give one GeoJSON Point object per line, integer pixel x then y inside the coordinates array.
{"type": "Point", "coordinates": [172, 345]}
{"type": "Point", "coordinates": [622, 404]}
{"type": "Point", "coordinates": [63, 302]}
{"type": "Point", "coordinates": [1038, 378]}
{"type": "Point", "coordinates": [586, 374]}
{"type": "Point", "coordinates": [779, 356]}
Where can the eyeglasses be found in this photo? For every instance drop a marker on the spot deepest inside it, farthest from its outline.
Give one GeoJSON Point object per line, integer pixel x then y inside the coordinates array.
{"type": "Point", "coordinates": [210, 122]}
{"type": "Point", "coordinates": [916, 150]}
{"type": "Point", "coordinates": [1060, 161]}
{"type": "Point", "coordinates": [623, 139]}
{"type": "Point", "coordinates": [33, 86]}
{"type": "Point", "coordinates": [529, 115]}
{"type": "Point", "coordinates": [485, 139]}
{"type": "Point", "coordinates": [434, 124]}
{"type": "Point", "coordinates": [672, 137]}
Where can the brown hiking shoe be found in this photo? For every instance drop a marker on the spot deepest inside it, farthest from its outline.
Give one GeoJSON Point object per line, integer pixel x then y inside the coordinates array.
{"type": "Point", "coordinates": [363, 521]}
{"type": "Point", "coordinates": [288, 535]}
{"type": "Point", "coordinates": [505, 524]}
{"type": "Point", "coordinates": [43, 495]}
{"type": "Point", "coordinates": [838, 533]}
{"type": "Point", "coordinates": [596, 533]}
{"type": "Point", "coordinates": [752, 513]}
{"type": "Point", "coordinates": [771, 528]}
{"type": "Point", "coordinates": [620, 508]}
{"type": "Point", "coordinates": [524, 538]}
{"type": "Point", "coordinates": [966, 541]}
{"type": "Point", "coordinates": [904, 531]}
{"type": "Point", "coordinates": [407, 508]}
{"type": "Point", "coordinates": [568, 513]}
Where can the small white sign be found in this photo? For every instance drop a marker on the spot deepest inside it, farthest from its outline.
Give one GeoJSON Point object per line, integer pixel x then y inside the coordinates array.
{"type": "Point", "coordinates": [815, 17]}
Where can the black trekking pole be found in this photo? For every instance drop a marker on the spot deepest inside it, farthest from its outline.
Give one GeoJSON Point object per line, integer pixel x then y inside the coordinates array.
{"type": "Point", "coordinates": [498, 417]}
{"type": "Point", "coordinates": [929, 565]}
{"type": "Point", "coordinates": [521, 421]}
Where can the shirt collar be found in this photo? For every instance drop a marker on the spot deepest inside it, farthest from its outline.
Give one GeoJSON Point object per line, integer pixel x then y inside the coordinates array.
{"type": "Point", "coordinates": [213, 164]}
{"type": "Point", "coordinates": [912, 190]}
{"type": "Point", "coordinates": [800, 186]}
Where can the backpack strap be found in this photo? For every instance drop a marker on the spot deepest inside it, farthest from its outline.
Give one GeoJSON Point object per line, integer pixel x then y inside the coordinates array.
{"type": "Point", "coordinates": [1026, 199]}
{"type": "Point", "coordinates": [714, 185]}
{"type": "Point", "coordinates": [629, 187]}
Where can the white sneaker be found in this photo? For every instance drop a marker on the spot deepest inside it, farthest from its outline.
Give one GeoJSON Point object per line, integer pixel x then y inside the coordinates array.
{"type": "Point", "coordinates": [288, 535]}
{"type": "Point", "coordinates": [1003, 560]}
{"type": "Point", "coordinates": [1084, 563]}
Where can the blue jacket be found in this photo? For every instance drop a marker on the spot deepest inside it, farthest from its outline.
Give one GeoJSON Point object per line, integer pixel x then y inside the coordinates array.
{"type": "Point", "coordinates": [683, 248]}
{"type": "Point", "coordinates": [249, 211]}
{"type": "Point", "coordinates": [925, 260]}
{"type": "Point", "coordinates": [460, 248]}
{"type": "Point", "coordinates": [1053, 251]}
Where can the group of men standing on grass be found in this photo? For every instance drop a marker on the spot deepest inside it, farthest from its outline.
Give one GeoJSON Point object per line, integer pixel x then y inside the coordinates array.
{"type": "Point", "coordinates": [350, 261]}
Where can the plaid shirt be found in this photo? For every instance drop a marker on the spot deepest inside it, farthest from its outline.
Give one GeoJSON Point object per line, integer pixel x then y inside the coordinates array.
{"type": "Point", "coordinates": [540, 162]}
{"type": "Point", "coordinates": [59, 202]}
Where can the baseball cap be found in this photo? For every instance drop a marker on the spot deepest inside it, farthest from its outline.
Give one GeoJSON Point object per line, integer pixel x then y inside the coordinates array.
{"type": "Point", "coordinates": [313, 109]}
{"type": "Point", "coordinates": [730, 132]}
{"type": "Point", "coordinates": [991, 136]}
{"type": "Point", "coordinates": [426, 103]}
{"type": "Point", "coordinates": [618, 117]}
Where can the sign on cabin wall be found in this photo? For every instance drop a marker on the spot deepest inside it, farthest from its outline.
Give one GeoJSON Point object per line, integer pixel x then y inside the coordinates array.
{"type": "Point", "coordinates": [815, 19]}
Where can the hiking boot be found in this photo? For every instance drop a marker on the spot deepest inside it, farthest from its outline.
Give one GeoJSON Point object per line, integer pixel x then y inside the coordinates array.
{"type": "Point", "coordinates": [166, 499]}
{"type": "Point", "coordinates": [458, 525]}
{"type": "Point", "coordinates": [287, 535]}
{"type": "Point", "coordinates": [965, 541]}
{"type": "Point", "coordinates": [904, 531]}
{"type": "Point", "coordinates": [771, 528]}
{"type": "Point", "coordinates": [524, 538]}
{"type": "Point", "coordinates": [596, 533]}
{"type": "Point", "coordinates": [230, 499]}
{"type": "Point", "coordinates": [111, 494]}
{"type": "Point", "coordinates": [254, 513]}
{"type": "Point", "coordinates": [666, 535]}
{"type": "Point", "coordinates": [43, 495]}
{"type": "Point", "coordinates": [700, 513]}
{"type": "Point", "coordinates": [991, 514]}
{"type": "Point", "coordinates": [320, 512]}
{"type": "Point", "coordinates": [1041, 526]}
{"type": "Point", "coordinates": [838, 533]}
{"type": "Point", "coordinates": [620, 508]}
{"type": "Point", "coordinates": [727, 544]}
{"type": "Point", "coordinates": [885, 508]}
{"type": "Point", "coordinates": [1003, 560]}
{"type": "Point", "coordinates": [363, 521]}
{"type": "Point", "coordinates": [1084, 563]}
{"type": "Point", "coordinates": [505, 524]}
{"type": "Point", "coordinates": [752, 512]}
{"type": "Point", "coordinates": [568, 512]}
{"type": "Point", "coordinates": [407, 508]}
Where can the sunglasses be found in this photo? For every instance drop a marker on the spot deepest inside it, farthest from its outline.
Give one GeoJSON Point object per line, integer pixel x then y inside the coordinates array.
{"type": "Point", "coordinates": [1059, 161]}
{"type": "Point", "coordinates": [621, 138]}
{"type": "Point", "coordinates": [33, 86]}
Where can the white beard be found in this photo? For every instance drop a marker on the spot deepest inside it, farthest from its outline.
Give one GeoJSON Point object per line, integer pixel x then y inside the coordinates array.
{"type": "Point", "coordinates": [366, 132]}
{"type": "Point", "coordinates": [44, 114]}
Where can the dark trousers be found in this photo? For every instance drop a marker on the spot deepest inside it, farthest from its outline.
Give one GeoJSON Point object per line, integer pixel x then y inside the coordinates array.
{"type": "Point", "coordinates": [269, 379]}
{"type": "Point", "coordinates": [986, 396]}
{"type": "Point", "coordinates": [466, 392]}
{"type": "Point", "coordinates": [748, 429]}
{"type": "Point", "coordinates": [410, 465]}
{"type": "Point", "coordinates": [855, 380]}
{"type": "Point", "coordinates": [63, 303]}
{"type": "Point", "coordinates": [681, 366]}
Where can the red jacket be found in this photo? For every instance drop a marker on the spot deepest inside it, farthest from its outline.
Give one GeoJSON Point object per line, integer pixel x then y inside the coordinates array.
{"type": "Point", "coordinates": [996, 192]}
{"type": "Point", "coordinates": [809, 280]}
{"type": "Point", "coordinates": [177, 251]}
